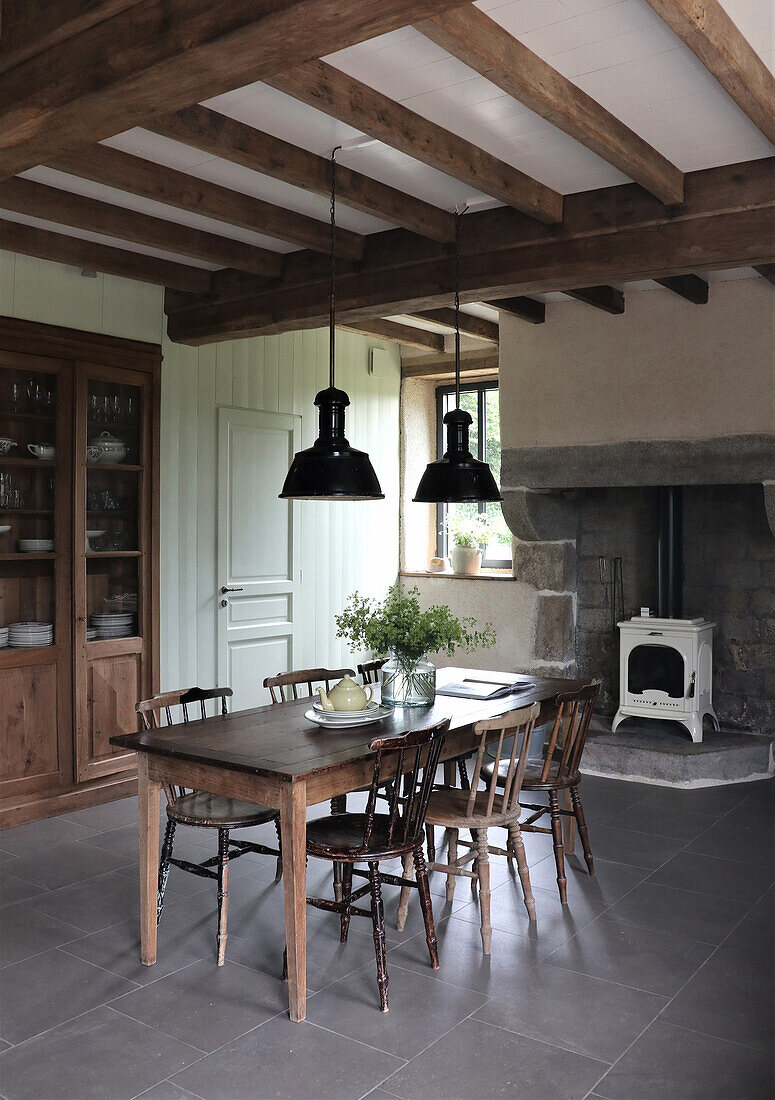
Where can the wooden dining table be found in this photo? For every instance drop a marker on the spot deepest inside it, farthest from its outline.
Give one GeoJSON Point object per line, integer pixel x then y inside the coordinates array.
{"type": "Point", "coordinates": [274, 756]}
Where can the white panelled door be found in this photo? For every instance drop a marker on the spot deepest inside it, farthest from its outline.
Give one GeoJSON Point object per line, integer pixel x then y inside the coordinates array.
{"type": "Point", "coordinates": [258, 556]}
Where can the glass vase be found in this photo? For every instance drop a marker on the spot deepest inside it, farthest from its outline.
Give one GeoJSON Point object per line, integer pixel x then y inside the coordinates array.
{"type": "Point", "coordinates": [407, 683]}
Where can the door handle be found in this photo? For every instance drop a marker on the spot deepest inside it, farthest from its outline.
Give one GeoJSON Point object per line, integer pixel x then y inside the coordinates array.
{"type": "Point", "coordinates": [226, 589]}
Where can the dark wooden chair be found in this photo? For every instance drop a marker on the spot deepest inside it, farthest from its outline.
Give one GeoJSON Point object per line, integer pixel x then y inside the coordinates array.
{"type": "Point", "coordinates": [369, 671]}
{"type": "Point", "coordinates": [372, 838]}
{"type": "Point", "coordinates": [479, 810]}
{"type": "Point", "coordinates": [560, 771]}
{"type": "Point", "coordinates": [205, 811]}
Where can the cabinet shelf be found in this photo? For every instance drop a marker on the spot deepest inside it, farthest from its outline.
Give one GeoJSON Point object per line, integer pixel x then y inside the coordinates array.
{"type": "Point", "coordinates": [113, 553]}
{"type": "Point", "coordinates": [119, 466]}
{"type": "Point", "coordinates": [26, 511]}
{"type": "Point", "coordinates": [33, 463]}
{"type": "Point", "coordinates": [28, 417]}
{"type": "Point", "coordinates": [42, 556]}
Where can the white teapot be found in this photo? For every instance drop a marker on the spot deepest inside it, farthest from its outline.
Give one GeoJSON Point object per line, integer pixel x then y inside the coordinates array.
{"type": "Point", "coordinates": [345, 696]}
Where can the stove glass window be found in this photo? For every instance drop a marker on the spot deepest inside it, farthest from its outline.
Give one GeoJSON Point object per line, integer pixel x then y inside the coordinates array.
{"type": "Point", "coordinates": [656, 666]}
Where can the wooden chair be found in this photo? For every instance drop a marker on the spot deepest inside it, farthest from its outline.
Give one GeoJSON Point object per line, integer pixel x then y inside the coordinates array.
{"type": "Point", "coordinates": [372, 838]}
{"type": "Point", "coordinates": [205, 811]}
{"type": "Point", "coordinates": [480, 810]}
{"type": "Point", "coordinates": [558, 772]}
{"type": "Point", "coordinates": [369, 671]}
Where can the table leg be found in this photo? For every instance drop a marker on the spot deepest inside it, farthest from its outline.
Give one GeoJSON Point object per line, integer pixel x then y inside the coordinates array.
{"type": "Point", "coordinates": [148, 829]}
{"type": "Point", "coordinates": [569, 824]}
{"type": "Point", "coordinates": [293, 827]}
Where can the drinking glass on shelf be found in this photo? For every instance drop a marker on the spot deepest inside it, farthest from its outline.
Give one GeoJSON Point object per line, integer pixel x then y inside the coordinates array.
{"type": "Point", "coordinates": [116, 408]}
{"type": "Point", "coordinates": [17, 499]}
{"type": "Point", "coordinates": [94, 407]}
{"type": "Point", "coordinates": [130, 407]}
{"type": "Point", "coordinates": [16, 397]}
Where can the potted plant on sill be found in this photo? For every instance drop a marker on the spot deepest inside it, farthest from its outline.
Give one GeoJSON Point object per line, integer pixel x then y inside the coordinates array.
{"type": "Point", "coordinates": [468, 536]}
{"type": "Point", "coordinates": [396, 628]}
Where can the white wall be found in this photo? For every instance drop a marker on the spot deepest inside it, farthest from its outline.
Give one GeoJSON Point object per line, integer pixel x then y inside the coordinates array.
{"type": "Point", "coordinates": [344, 546]}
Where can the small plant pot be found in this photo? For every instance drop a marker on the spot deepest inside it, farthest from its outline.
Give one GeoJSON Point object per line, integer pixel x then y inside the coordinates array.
{"type": "Point", "coordinates": [466, 560]}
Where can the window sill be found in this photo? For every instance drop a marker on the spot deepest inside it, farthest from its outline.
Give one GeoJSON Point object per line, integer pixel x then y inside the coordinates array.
{"type": "Point", "coordinates": [484, 575]}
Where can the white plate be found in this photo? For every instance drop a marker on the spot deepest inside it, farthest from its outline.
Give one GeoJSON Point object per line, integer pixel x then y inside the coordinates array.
{"type": "Point", "coordinates": [30, 626]}
{"type": "Point", "coordinates": [344, 713]}
{"type": "Point", "coordinates": [360, 718]}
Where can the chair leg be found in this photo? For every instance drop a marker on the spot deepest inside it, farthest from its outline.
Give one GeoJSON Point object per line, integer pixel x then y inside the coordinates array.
{"type": "Point", "coordinates": [424, 890]}
{"type": "Point", "coordinates": [559, 852]}
{"type": "Point", "coordinates": [483, 872]}
{"type": "Point", "coordinates": [223, 892]}
{"type": "Point", "coordinates": [516, 844]}
{"type": "Point", "coordinates": [430, 837]}
{"type": "Point", "coordinates": [279, 870]}
{"type": "Point", "coordinates": [347, 889]}
{"type": "Point", "coordinates": [378, 921]}
{"type": "Point", "coordinates": [337, 880]}
{"type": "Point", "coordinates": [164, 866]}
{"type": "Point", "coordinates": [578, 810]}
{"type": "Point", "coordinates": [452, 860]}
{"type": "Point", "coordinates": [339, 804]}
{"type": "Point", "coordinates": [403, 901]}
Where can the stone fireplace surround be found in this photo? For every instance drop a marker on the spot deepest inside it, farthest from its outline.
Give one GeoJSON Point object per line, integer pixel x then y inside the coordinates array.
{"type": "Point", "coordinates": [596, 411]}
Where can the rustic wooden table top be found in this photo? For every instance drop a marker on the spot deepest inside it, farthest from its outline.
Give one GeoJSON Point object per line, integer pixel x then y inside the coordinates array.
{"type": "Point", "coordinates": [279, 742]}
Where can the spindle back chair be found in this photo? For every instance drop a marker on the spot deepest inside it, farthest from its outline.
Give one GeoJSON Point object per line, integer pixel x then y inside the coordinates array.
{"type": "Point", "coordinates": [369, 671]}
{"type": "Point", "coordinates": [203, 810]}
{"type": "Point", "coordinates": [560, 771]}
{"type": "Point", "coordinates": [284, 687]}
{"type": "Point", "coordinates": [371, 838]}
{"type": "Point", "coordinates": [495, 806]}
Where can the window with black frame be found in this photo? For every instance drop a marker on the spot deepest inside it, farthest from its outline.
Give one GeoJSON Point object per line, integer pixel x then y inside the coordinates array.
{"type": "Point", "coordinates": [480, 399]}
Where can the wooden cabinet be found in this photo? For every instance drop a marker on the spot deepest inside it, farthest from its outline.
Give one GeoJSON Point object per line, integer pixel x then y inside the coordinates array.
{"type": "Point", "coordinates": [79, 508]}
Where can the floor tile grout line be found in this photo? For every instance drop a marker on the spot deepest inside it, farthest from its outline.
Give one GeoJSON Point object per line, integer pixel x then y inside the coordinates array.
{"type": "Point", "coordinates": [544, 1042]}
{"type": "Point", "coordinates": [670, 1001]}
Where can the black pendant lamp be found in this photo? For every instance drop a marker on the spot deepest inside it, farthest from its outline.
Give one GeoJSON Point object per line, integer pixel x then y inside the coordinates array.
{"type": "Point", "coordinates": [458, 477]}
{"type": "Point", "coordinates": [331, 469]}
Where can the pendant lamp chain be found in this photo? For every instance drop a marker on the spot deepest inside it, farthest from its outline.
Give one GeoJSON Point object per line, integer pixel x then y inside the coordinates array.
{"type": "Point", "coordinates": [332, 299]}
{"type": "Point", "coordinates": [458, 216]}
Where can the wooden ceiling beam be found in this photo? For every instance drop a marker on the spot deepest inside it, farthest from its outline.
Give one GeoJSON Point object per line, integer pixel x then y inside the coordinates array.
{"type": "Point", "coordinates": [161, 55]}
{"type": "Point", "coordinates": [234, 141]}
{"type": "Point", "coordinates": [138, 176]}
{"type": "Point", "coordinates": [527, 309]}
{"type": "Point", "coordinates": [479, 42]}
{"type": "Point", "coordinates": [443, 366]}
{"type": "Point", "coordinates": [739, 239]}
{"type": "Point", "coordinates": [30, 241]}
{"type": "Point", "coordinates": [607, 298]}
{"type": "Point", "coordinates": [705, 27]}
{"type": "Point", "coordinates": [335, 93]}
{"type": "Point", "coordinates": [767, 271]}
{"type": "Point", "coordinates": [31, 26]}
{"type": "Point", "coordinates": [397, 333]}
{"type": "Point", "coordinates": [691, 287]}
{"type": "Point", "coordinates": [52, 204]}
{"type": "Point", "coordinates": [478, 327]}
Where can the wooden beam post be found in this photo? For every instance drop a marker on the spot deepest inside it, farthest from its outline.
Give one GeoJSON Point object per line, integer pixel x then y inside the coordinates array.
{"type": "Point", "coordinates": [397, 333]}
{"type": "Point", "coordinates": [607, 298]}
{"type": "Point", "coordinates": [527, 309]}
{"type": "Point", "coordinates": [767, 271]}
{"type": "Point", "coordinates": [478, 327]}
{"type": "Point", "coordinates": [691, 287]}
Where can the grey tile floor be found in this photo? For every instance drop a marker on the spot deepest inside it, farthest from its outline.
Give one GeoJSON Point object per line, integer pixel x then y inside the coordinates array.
{"type": "Point", "coordinates": [658, 978]}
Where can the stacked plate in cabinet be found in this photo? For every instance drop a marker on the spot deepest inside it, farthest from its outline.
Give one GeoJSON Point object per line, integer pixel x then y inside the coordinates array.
{"type": "Point", "coordinates": [3, 636]}
{"type": "Point", "coordinates": [119, 625]}
{"type": "Point", "coordinates": [36, 546]}
{"type": "Point", "coordinates": [30, 635]}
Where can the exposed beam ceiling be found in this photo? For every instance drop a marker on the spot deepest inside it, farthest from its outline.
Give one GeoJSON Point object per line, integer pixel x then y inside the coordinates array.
{"type": "Point", "coordinates": [30, 241]}
{"type": "Point", "coordinates": [691, 287]}
{"type": "Point", "coordinates": [161, 55]}
{"type": "Point", "coordinates": [607, 298]}
{"type": "Point", "coordinates": [767, 271]}
{"type": "Point", "coordinates": [137, 176]}
{"type": "Point", "coordinates": [479, 327]}
{"type": "Point", "coordinates": [335, 93]}
{"type": "Point", "coordinates": [482, 44]}
{"type": "Point", "coordinates": [31, 26]}
{"type": "Point", "coordinates": [224, 137]}
{"type": "Point", "coordinates": [443, 366]}
{"type": "Point", "coordinates": [398, 334]}
{"type": "Point", "coordinates": [741, 239]}
{"type": "Point", "coordinates": [39, 201]}
{"type": "Point", "coordinates": [527, 309]}
{"type": "Point", "coordinates": [705, 27]}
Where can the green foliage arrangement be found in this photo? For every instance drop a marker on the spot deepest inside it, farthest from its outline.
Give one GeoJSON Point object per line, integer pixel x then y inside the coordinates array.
{"type": "Point", "coordinates": [397, 623]}
{"type": "Point", "coordinates": [474, 529]}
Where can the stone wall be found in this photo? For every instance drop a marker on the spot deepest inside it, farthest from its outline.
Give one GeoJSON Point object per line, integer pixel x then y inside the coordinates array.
{"type": "Point", "coordinates": [729, 578]}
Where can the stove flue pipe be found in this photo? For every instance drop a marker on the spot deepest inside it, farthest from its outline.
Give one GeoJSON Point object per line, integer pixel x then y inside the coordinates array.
{"type": "Point", "coordinates": [670, 551]}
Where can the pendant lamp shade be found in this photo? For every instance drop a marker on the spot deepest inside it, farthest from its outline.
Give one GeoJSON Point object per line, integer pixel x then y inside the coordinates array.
{"type": "Point", "coordinates": [458, 477]}
{"type": "Point", "coordinates": [331, 469]}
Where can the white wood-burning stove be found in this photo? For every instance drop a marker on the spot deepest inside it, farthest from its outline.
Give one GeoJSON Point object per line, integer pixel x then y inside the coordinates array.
{"type": "Point", "coordinates": [666, 663]}
{"type": "Point", "coordinates": [666, 671]}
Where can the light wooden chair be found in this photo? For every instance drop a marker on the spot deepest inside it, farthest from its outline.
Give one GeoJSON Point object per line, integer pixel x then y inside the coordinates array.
{"type": "Point", "coordinates": [497, 806]}
{"type": "Point", "coordinates": [202, 810]}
